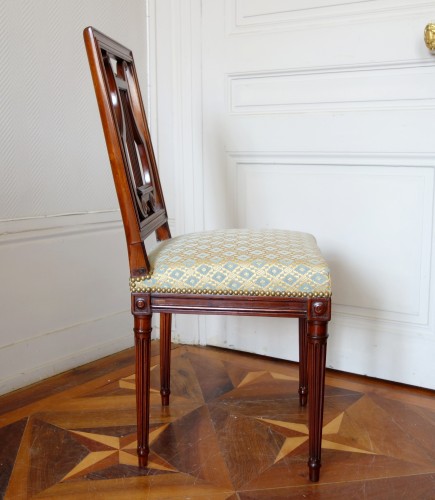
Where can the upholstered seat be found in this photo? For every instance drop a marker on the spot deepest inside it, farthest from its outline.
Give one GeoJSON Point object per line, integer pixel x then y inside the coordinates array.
{"type": "Point", "coordinates": [269, 273]}
{"type": "Point", "coordinates": [238, 262]}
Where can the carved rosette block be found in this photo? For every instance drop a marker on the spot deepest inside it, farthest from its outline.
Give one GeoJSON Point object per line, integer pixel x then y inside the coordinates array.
{"type": "Point", "coordinates": [140, 304]}
{"type": "Point", "coordinates": [319, 310]}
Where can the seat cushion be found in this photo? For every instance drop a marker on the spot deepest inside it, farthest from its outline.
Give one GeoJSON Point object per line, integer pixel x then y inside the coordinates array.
{"type": "Point", "coordinates": [238, 262]}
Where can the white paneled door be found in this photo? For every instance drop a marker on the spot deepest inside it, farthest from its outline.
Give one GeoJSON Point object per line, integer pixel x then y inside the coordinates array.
{"type": "Point", "coordinates": [317, 116]}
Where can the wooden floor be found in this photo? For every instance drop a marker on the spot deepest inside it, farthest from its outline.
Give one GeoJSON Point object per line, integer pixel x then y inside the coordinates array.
{"type": "Point", "coordinates": [234, 430]}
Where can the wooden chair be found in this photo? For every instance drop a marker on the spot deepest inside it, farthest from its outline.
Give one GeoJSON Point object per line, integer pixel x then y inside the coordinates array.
{"type": "Point", "coordinates": [240, 272]}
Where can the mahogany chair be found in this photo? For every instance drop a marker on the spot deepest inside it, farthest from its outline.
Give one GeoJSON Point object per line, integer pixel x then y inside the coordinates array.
{"type": "Point", "coordinates": [241, 272]}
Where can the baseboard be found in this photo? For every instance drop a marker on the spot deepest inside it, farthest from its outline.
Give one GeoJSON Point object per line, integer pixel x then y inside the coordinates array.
{"type": "Point", "coordinates": [62, 350]}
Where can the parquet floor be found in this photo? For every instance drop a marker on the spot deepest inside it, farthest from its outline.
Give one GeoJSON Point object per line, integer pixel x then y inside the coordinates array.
{"type": "Point", "coordinates": [234, 430]}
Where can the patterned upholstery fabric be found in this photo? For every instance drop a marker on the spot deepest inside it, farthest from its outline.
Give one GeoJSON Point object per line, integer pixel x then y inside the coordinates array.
{"type": "Point", "coordinates": [238, 262]}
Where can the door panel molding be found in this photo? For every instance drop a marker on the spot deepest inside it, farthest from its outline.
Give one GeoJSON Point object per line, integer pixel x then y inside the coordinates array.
{"type": "Point", "coordinates": [388, 85]}
{"type": "Point", "coordinates": [368, 191]}
{"type": "Point", "coordinates": [245, 16]}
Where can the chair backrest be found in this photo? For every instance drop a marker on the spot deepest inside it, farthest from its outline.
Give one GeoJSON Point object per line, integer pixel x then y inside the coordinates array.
{"type": "Point", "coordinates": [129, 146]}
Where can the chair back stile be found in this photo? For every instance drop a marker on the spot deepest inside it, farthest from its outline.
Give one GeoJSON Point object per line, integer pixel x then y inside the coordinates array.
{"type": "Point", "coordinates": [129, 146]}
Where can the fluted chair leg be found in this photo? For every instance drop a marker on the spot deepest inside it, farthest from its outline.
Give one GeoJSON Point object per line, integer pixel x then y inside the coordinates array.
{"type": "Point", "coordinates": [303, 368]}
{"type": "Point", "coordinates": [317, 337]}
{"type": "Point", "coordinates": [142, 334]}
{"type": "Point", "coordinates": [165, 357]}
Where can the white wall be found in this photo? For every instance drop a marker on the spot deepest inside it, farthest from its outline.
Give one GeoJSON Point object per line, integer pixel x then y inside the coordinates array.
{"type": "Point", "coordinates": [63, 268]}
{"type": "Point", "coordinates": [64, 296]}
{"type": "Point", "coordinates": [313, 116]}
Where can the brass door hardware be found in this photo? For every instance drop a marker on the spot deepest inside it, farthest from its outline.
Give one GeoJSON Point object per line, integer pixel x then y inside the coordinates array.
{"type": "Point", "coordinates": [429, 36]}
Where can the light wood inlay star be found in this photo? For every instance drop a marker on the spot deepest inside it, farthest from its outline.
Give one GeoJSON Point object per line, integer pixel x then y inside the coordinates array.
{"type": "Point", "coordinates": [130, 382]}
{"type": "Point", "coordinates": [121, 450]}
{"type": "Point", "coordinates": [331, 429]}
{"type": "Point", "coordinates": [253, 376]}
{"type": "Point", "coordinates": [234, 428]}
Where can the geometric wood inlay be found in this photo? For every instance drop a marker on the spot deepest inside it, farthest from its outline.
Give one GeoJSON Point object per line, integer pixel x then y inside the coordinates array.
{"type": "Point", "coordinates": [234, 429]}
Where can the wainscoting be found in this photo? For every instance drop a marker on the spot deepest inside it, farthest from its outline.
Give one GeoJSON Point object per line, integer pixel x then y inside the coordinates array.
{"type": "Point", "coordinates": [67, 299]}
{"type": "Point", "coordinates": [312, 116]}
{"type": "Point", "coordinates": [63, 265]}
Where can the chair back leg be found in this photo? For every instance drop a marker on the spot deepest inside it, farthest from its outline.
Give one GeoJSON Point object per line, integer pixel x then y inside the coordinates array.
{"type": "Point", "coordinates": [165, 357]}
{"type": "Point", "coordinates": [303, 375]}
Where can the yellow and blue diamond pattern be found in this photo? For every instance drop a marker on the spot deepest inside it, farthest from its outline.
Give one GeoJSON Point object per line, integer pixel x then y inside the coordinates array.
{"type": "Point", "coordinates": [238, 262]}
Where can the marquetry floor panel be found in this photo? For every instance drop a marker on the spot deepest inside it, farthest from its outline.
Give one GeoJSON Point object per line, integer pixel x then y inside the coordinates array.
{"type": "Point", "coordinates": [233, 430]}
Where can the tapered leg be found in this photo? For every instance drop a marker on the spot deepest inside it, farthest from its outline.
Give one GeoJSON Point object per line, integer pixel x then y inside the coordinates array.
{"type": "Point", "coordinates": [165, 357]}
{"type": "Point", "coordinates": [142, 334]}
{"type": "Point", "coordinates": [303, 369]}
{"type": "Point", "coordinates": [317, 337]}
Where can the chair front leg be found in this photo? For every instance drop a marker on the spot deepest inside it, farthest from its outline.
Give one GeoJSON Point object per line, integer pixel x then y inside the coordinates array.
{"type": "Point", "coordinates": [317, 338]}
{"type": "Point", "coordinates": [165, 357]}
{"type": "Point", "coordinates": [303, 369]}
{"type": "Point", "coordinates": [142, 335]}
